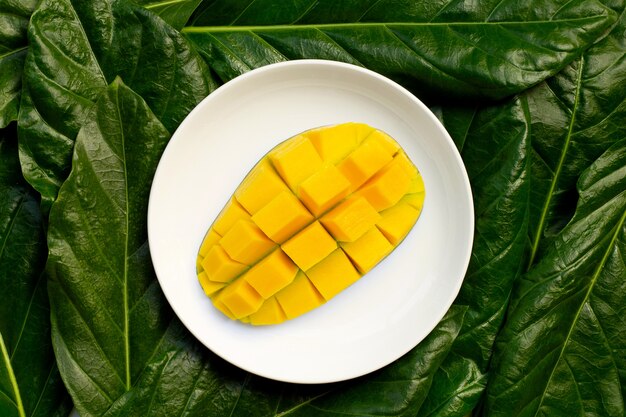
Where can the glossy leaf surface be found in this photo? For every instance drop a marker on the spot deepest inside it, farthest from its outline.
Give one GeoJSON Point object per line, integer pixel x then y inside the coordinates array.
{"type": "Point", "coordinates": [14, 16]}
{"type": "Point", "coordinates": [109, 316]}
{"type": "Point", "coordinates": [485, 49]}
{"type": "Point", "coordinates": [174, 12]}
{"type": "Point", "coordinates": [562, 350]}
{"type": "Point", "coordinates": [30, 384]}
{"type": "Point", "coordinates": [576, 116]}
{"type": "Point", "coordinates": [76, 49]}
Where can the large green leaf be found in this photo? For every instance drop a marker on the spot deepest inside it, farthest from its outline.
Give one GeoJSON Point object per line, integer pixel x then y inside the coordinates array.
{"type": "Point", "coordinates": [77, 48]}
{"type": "Point", "coordinates": [562, 351]}
{"type": "Point", "coordinates": [576, 116]}
{"type": "Point", "coordinates": [174, 12]}
{"type": "Point", "coordinates": [495, 145]}
{"type": "Point", "coordinates": [109, 317]}
{"type": "Point", "coordinates": [489, 49]}
{"type": "Point", "coordinates": [30, 384]}
{"type": "Point", "coordinates": [14, 17]}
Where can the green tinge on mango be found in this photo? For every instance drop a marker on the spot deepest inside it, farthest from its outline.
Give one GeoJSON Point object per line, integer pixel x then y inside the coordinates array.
{"type": "Point", "coordinates": [314, 215]}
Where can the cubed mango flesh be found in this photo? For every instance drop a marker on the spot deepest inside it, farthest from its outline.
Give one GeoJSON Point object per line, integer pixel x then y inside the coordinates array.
{"type": "Point", "coordinates": [397, 221]}
{"type": "Point", "coordinates": [282, 217]}
{"type": "Point", "coordinates": [219, 267]}
{"type": "Point", "coordinates": [333, 275]}
{"type": "Point", "coordinates": [300, 297]}
{"type": "Point", "coordinates": [335, 144]}
{"type": "Point", "coordinates": [364, 162]}
{"type": "Point", "coordinates": [230, 214]}
{"type": "Point", "coordinates": [368, 250]}
{"type": "Point", "coordinates": [271, 274]}
{"type": "Point", "coordinates": [350, 219]}
{"type": "Point", "coordinates": [259, 187]}
{"type": "Point", "coordinates": [387, 186]}
{"type": "Point", "coordinates": [310, 246]}
{"type": "Point", "coordinates": [246, 243]}
{"type": "Point", "coordinates": [324, 189]}
{"type": "Point", "coordinates": [316, 213]}
{"type": "Point", "coordinates": [296, 160]}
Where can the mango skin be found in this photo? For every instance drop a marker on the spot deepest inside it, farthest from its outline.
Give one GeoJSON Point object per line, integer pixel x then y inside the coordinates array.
{"type": "Point", "coordinates": [316, 213]}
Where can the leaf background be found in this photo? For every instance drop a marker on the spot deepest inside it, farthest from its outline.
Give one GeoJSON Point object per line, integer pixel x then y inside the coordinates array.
{"type": "Point", "coordinates": [524, 155]}
{"type": "Point", "coordinates": [30, 384]}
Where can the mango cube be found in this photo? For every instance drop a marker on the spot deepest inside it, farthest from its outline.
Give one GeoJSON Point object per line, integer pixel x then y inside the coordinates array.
{"type": "Point", "coordinates": [269, 313]}
{"type": "Point", "coordinates": [230, 214]}
{"type": "Point", "coordinates": [364, 162]}
{"type": "Point", "coordinates": [219, 267]}
{"type": "Point", "coordinates": [209, 286]}
{"type": "Point", "coordinates": [221, 307]}
{"type": "Point", "coordinates": [384, 140]}
{"type": "Point", "coordinates": [334, 274]}
{"type": "Point", "coordinates": [387, 187]}
{"type": "Point", "coordinates": [271, 274]}
{"type": "Point", "coordinates": [334, 143]}
{"type": "Point", "coordinates": [300, 297]}
{"type": "Point", "coordinates": [240, 298]}
{"type": "Point", "coordinates": [211, 238]}
{"type": "Point", "coordinates": [313, 215]}
{"type": "Point", "coordinates": [282, 217]}
{"type": "Point", "coordinates": [259, 187]}
{"type": "Point", "coordinates": [296, 160]}
{"type": "Point", "coordinates": [368, 250]}
{"type": "Point", "coordinates": [397, 221]}
{"type": "Point", "coordinates": [309, 246]}
{"type": "Point", "coordinates": [350, 219]}
{"type": "Point", "coordinates": [324, 189]}
{"type": "Point", "coordinates": [246, 243]}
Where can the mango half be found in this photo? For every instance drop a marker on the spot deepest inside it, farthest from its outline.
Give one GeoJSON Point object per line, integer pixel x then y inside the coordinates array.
{"type": "Point", "coordinates": [314, 215]}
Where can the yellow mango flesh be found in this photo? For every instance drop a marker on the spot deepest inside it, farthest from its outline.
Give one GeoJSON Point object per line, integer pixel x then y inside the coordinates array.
{"type": "Point", "coordinates": [316, 213]}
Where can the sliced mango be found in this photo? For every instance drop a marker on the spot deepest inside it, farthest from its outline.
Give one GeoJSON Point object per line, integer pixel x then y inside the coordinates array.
{"type": "Point", "coordinates": [368, 250]}
{"type": "Point", "coordinates": [310, 246]}
{"type": "Point", "coordinates": [282, 217]}
{"type": "Point", "coordinates": [350, 219]}
{"type": "Point", "coordinates": [314, 215]}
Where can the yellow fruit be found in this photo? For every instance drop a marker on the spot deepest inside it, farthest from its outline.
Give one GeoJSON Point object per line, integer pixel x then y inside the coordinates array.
{"type": "Point", "coordinates": [316, 213]}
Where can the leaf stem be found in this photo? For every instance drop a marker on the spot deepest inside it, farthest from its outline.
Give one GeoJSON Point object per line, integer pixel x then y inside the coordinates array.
{"type": "Point", "coordinates": [559, 167]}
{"type": "Point", "coordinates": [9, 367]}
{"type": "Point", "coordinates": [202, 29]}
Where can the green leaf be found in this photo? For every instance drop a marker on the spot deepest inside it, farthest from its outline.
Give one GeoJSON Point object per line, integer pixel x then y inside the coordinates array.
{"type": "Point", "coordinates": [108, 314]}
{"type": "Point", "coordinates": [174, 12]}
{"type": "Point", "coordinates": [30, 384]}
{"type": "Point", "coordinates": [562, 351]}
{"type": "Point", "coordinates": [482, 49]}
{"type": "Point", "coordinates": [576, 116]}
{"type": "Point", "coordinates": [458, 384]}
{"type": "Point", "coordinates": [77, 48]}
{"type": "Point", "coordinates": [14, 16]}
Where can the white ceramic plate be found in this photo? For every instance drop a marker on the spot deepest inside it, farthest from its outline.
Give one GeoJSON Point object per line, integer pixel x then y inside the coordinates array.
{"type": "Point", "coordinates": [384, 314]}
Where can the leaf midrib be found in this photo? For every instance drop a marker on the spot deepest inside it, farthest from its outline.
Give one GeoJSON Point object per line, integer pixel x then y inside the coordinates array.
{"type": "Point", "coordinates": [13, 52]}
{"type": "Point", "coordinates": [557, 173]}
{"type": "Point", "coordinates": [125, 276]}
{"type": "Point", "coordinates": [9, 367]}
{"type": "Point", "coordinates": [162, 3]}
{"type": "Point", "coordinates": [357, 25]}
{"type": "Point", "coordinates": [594, 279]}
